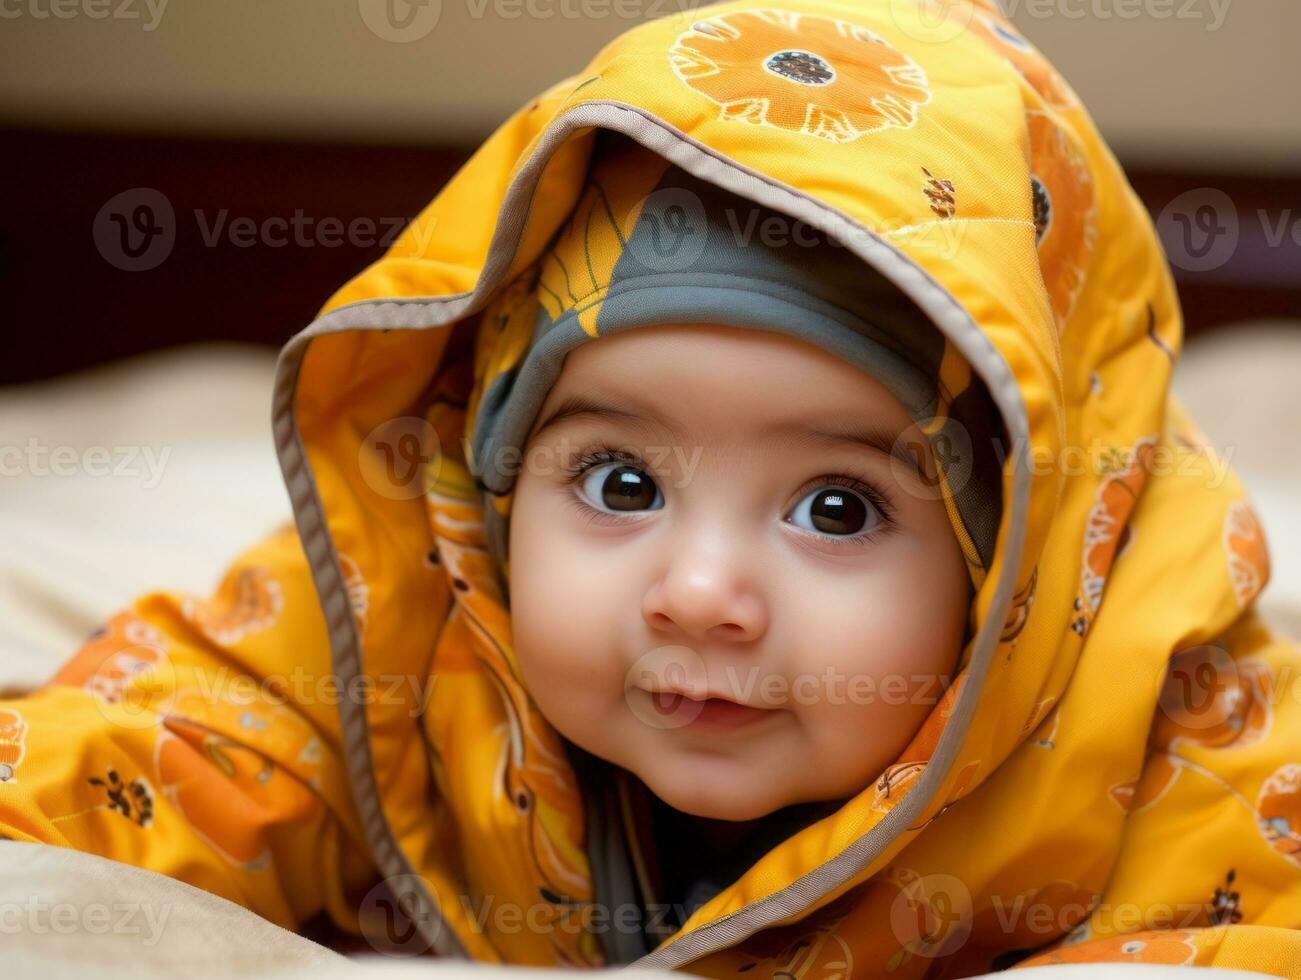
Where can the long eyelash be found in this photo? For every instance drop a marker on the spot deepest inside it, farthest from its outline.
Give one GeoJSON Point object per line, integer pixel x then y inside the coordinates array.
{"type": "Point", "coordinates": [600, 454]}
{"type": "Point", "coordinates": [860, 482]}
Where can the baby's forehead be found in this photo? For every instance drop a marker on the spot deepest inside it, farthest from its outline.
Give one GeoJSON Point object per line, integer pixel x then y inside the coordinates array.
{"type": "Point", "coordinates": [708, 355]}
{"type": "Point", "coordinates": [809, 412]}
{"type": "Point", "coordinates": [713, 362]}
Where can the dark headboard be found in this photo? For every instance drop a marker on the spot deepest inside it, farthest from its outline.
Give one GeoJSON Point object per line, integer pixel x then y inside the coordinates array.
{"type": "Point", "coordinates": [65, 305]}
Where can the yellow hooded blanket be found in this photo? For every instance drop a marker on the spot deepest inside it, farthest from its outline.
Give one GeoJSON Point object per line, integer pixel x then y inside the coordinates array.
{"type": "Point", "coordinates": [1115, 773]}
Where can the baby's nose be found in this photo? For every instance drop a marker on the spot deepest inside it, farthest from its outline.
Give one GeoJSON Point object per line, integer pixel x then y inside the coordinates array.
{"type": "Point", "coordinates": [706, 601]}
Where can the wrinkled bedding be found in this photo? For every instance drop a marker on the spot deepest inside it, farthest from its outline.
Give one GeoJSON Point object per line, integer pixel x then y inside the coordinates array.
{"type": "Point", "coordinates": [67, 914]}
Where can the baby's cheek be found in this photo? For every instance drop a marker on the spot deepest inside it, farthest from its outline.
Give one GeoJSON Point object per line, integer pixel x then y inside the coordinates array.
{"type": "Point", "coordinates": [551, 642]}
{"type": "Point", "coordinates": [557, 671]}
{"type": "Point", "coordinates": [570, 670]}
{"type": "Point", "coordinates": [887, 656]}
{"type": "Point", "coordinates": [889, 626]}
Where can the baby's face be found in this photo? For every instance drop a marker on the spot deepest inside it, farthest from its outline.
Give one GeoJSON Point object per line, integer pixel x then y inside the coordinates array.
{"type": "Point", "coordinates": [697, 535]}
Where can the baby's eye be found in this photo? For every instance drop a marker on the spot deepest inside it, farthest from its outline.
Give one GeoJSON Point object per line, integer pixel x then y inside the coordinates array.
{"type": "Point", "coordinates": [620, 488]}
{"type": "Point", "coordinates": [836, 510]}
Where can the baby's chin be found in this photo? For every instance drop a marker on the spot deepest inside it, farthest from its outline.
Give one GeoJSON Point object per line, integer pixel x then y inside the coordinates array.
{"type": "Point", "coordinates": [715, 787]}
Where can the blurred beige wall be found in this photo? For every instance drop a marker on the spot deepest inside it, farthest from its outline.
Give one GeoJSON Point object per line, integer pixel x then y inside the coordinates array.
{"type": "Point", "coordinates": [1173, 83]}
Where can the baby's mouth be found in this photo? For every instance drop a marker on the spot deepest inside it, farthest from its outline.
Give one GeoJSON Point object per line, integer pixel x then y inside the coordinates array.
{"type": "Point", "coordinates": [710, 712]}
{"type": "Point", "coordinates": [670, 701]}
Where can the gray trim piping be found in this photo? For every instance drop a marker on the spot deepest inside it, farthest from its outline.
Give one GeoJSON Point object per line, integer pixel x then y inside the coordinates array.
{"type": "Point", "coordinates": [345, 649]}
{"type": "Point", "coordinates": [949, 316]}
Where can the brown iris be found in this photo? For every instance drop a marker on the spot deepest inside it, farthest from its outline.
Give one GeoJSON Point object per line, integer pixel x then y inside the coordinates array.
{"type": "Point", "coordinates": [836, 511]}
{"type": "Point", "coordinates": [627, 488]}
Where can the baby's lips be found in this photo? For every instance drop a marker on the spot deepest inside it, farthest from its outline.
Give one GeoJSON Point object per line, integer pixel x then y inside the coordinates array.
{"type": "Point", "coordinates": [659, 686]}
{"type": "Point", "coordinates": [672, 697]}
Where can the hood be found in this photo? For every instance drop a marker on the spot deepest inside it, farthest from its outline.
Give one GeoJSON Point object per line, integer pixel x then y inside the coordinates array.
{"type": "Point", "coordinates": [648, 243]}
{"type": "Point", "coordinates": [961, 169]}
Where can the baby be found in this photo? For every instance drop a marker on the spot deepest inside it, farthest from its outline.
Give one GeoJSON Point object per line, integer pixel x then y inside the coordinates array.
{"type": "Point", "coordinates": [773, 598]}
{"type": "Point", "coordinates": [742, 527]}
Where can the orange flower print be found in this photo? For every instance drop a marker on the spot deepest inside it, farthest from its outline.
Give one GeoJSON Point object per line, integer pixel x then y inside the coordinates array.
{"type": "Point", "coordinates": [1279, 811]}
{"type": "Point", "coordinates": [13, 744]}
{"type": "Point", "coordinates": [1065, 212]}
{"type": "Point", "coordinates": [899, 778]}
{"type": "Point", "coordinates": [962, 785]}
{"type": "Point", "coordinates": [1023, 56]}
{"type": "Point", "coordinates": [253, 717]}
{"type": "Point", "coordinates": [812, 947]}
{"type": "Point", "coordinates": [1105, 524]}
{"type": "Point", "coordinates": [800, 72]}
{"type": "Point", "coordinates": [1170, 947]}
{"type": "Point", "coordinates": [1247, 553]}
{"type": "Point", "coordinates": [227, 792]}
{"type": "Point", "coordinates": [123, 650]}
{"type": "Point", "coordinates": [219, 814]}
{"type": "Point", "coordinates": [248, 601]}
{"type": "Point", "coordinates": [1208, 699]}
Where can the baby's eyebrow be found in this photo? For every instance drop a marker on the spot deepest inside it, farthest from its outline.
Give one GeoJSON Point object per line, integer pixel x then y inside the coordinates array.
{"type": "Point", "coordinates": [878, 440]}
{"type": "Point", "coordinates": [868, 437]}
{"type": "Point", "coordinates": [577, 405]}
